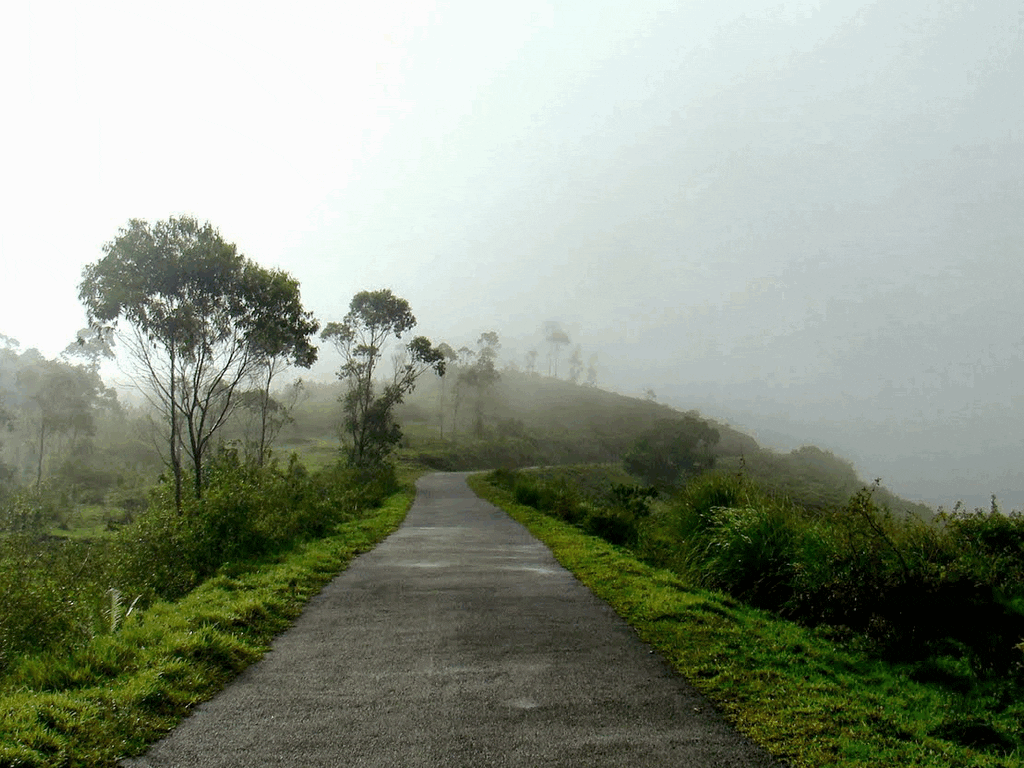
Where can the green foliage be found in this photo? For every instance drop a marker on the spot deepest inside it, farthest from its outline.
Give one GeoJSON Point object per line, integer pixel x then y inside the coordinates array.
{"type": "Point", "coordinates": [614, 526]}
{"type": "Point", "coordinates": [906, 585]}
{"type": "Point", "coordinates": [375, 317]}
{"type": "Point", "coordinates": [695, 503]}
{"type": "Point", "coordinates": [204, 320]}
{"type": "Point", "coordinates": [43, 595]}
{"type": "Point", "coordinates": [557, 498]}
{"type": "Point", "coordinates": [672, 450]}
{"type": "Point", "coordinates": [809, 697]}
{"type": "Point", "coordinates": [635, 499]}
{"type": "Point", "coordinates": [111, 696]}
{"type": "Point", "coordinates": [58, 594]}
{"type": "Point", "coordinates": [561, 494]}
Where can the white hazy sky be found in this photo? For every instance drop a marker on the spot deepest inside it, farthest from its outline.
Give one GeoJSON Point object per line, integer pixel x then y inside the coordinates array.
{"type": "Point", "coordinates": [803, 216]}
{"type": "Point", "coordinates": [352, 143]}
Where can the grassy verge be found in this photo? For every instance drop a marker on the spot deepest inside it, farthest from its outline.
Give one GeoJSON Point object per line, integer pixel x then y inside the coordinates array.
{"type": "Point", "coordinates": [126, 689]}
{"type": "Point", "coordinates": [809, 699]}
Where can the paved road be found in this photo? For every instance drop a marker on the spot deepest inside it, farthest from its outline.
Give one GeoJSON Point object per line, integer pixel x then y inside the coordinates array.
{"type": "Point", "coordinates": [458, 641]}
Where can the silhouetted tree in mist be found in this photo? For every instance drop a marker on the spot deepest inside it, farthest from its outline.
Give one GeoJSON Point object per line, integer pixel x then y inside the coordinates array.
{"type": "Point", "coordinates": [576, 365]}
{"type": "Point", "coordinates": [556, 338]}
{"type": "Point", "coordinates": [531, 361]}
{"type": "Point", "coordinates": [483, 374]}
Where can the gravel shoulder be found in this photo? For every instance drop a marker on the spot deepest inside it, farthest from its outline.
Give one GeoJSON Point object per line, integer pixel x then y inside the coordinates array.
{"type": "Point", "coordinates": [458, 641]}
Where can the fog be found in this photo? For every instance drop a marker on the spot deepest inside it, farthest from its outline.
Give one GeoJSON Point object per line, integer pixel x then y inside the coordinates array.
{"type": "Point", "coordinates": [800, 218]}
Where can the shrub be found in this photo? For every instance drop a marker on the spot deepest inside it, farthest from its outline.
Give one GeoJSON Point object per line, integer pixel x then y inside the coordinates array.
{"type": "Point", "coordinates": [991, 546]}
{"type": "Point", "coordinates": [59, 594]}
{"type": "Point", "coordinates": [635, 500]}
{"type": "Point", "coordinates": [503, 477]}
{"type": "Point", "coordinates": [751, 553]}
{"type": "Point", "coordinates": [49, 594]}
{"type": "Point", "coordinates": [613, 526]}
{"type": "Point", "coordinates": [528, 491]}
{"type": "Point", "coordinates": [693, 507]}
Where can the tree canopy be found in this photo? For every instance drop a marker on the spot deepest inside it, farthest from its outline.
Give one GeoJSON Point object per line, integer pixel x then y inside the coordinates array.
{"type": "Point", "coordinates": [483, 374]}
{"type": "Point", "coordinates": [373, 320]}
{"type": "Point", "coordinates": [201, 320]}
{"type": "Point", "coordinates": [672, 450]}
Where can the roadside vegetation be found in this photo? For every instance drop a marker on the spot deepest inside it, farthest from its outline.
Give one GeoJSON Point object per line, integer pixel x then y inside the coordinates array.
{"type": "Point", "coordinates": [111, 695]}
{"type": "Point", "coordinates": [149, 555]}
{"type": "Point", "coordinates": [843, 637]}
{"type": "Point", "coordinates": [151, 552]}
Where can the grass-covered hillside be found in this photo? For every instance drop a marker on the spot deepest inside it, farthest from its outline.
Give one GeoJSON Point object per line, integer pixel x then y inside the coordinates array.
{"type": "Point", "coordinates": [527, 420]}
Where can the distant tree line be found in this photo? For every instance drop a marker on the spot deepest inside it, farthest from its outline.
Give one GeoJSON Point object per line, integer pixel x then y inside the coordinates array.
{"type": "Point", "coordinates": [49, 411]}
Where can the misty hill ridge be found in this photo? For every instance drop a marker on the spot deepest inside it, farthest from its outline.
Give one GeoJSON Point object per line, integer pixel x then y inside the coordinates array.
{"type": "Point", "coordinates": [528, 419]}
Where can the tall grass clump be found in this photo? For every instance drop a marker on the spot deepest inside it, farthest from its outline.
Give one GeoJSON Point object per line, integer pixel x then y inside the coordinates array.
{"type": "Point", "coordinates": [735, 538]}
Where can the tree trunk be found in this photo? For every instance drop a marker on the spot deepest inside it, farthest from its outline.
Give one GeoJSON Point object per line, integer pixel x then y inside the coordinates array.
{"type": "Point", "coordinates": [264, 408]}
{"type": "Point", "coordinates": [39, 466]}
{"type": "Point", "coordinates": [175, 455]}
{"type": "Point", "coordinates": [440, 412]}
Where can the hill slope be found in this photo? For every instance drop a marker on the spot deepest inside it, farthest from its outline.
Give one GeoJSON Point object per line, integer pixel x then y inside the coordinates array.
{"type": "Point", "coordinates": [526, 419]}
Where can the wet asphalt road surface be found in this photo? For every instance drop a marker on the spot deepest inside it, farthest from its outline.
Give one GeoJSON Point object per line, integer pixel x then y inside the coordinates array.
{"type": "Point", "coordinates": [458, 641]}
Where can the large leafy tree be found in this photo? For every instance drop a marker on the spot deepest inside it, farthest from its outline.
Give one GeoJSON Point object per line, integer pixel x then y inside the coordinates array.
{"type": "Point", "coordinates": [198, 320]}
{"type": "Point", "coordinates": [374, 320]}
{"type": "Point", "coordinates": [280, 342]}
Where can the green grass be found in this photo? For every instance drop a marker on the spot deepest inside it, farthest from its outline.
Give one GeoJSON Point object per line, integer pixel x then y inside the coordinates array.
{"type": "Point", "coordinates": [124, 690]}
{"type": "Point", "coordinates": [88, 521]}
{"type": "Point", "coordinates": [315, 453]}
{"type": "Point", "coordinates": [810, 698]}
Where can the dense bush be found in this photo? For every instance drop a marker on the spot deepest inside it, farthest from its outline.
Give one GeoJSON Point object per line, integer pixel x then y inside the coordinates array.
{"type": "Point", "coordinates": [611, 510]}
{"type": "Point", "coordinates": [672, 451]}
{"type": "Point", "coordinates": [907, 585]}
{"type": "Point", "coordinates": [46, 593]}
{"type": "Point", "coordinates": [916, 590]}
{"type": "Point", "coordinates": [614, 526]}
{"type": "Point", "coordinates": [58, 593]}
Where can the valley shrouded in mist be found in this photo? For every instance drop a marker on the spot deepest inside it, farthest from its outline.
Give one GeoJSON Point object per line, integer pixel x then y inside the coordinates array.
{"type": "Point", "coordinates": [803, 219]}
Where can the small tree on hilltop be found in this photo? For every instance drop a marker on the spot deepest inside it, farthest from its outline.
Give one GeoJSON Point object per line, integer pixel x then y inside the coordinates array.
{"type": "Point", "coordinates": [576, 365]}
{"type": "Point", "coordinates": [374, 318]}
{"type": "Point", "coordinates": [483, 374]}
{"type": "Point", "coordinates": [556, 337]}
